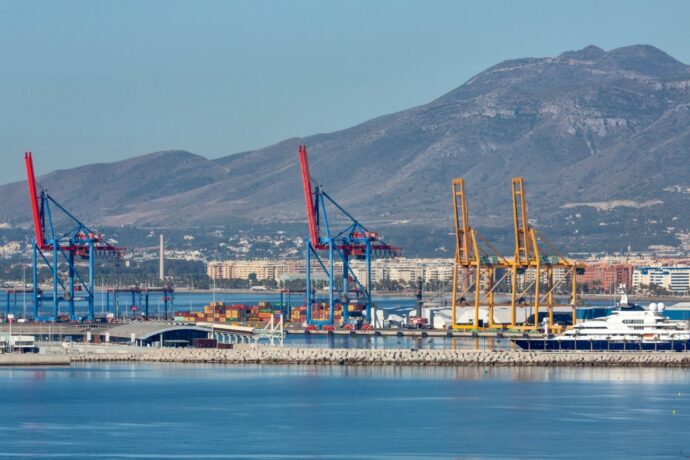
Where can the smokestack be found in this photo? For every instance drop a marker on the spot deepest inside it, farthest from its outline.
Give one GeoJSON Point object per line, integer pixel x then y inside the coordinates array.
{"type": "Point", "coordinates": [161, 266]}
{"type": "Point", "coordinates": [420, 302]}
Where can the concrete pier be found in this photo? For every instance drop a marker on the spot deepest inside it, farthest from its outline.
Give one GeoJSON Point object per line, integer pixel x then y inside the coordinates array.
{"type": "Point", "coordinates": [320, 356]}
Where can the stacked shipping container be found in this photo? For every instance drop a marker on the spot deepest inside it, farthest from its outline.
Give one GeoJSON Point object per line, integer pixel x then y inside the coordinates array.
{"type": "Point", "coordinates": [218, 312]}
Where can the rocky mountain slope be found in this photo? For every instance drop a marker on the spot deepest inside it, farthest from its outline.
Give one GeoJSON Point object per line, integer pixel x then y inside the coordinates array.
{"type": "Point", "coordinates": [602, 139]}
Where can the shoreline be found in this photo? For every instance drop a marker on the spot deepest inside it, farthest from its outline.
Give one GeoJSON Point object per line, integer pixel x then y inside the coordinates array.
{"type": "Point", "coordinates": [393, 357]}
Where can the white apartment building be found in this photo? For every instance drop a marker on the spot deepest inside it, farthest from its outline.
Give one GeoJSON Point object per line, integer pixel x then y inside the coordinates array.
{"type": "Point", "coordinates": [405, 270]}
{"type": "Point", "coordinates": [559, 275]}
{"type": "Point", "coordinates": [676, 279]}
{"type": "Point", "coordinates": [401, 270]}
{"type": "Point", "coordinates": [264, 269]}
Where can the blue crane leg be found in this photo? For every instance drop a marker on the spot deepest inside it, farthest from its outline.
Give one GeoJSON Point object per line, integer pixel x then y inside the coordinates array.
{"type": "Point", "coordinates": [35, 279]}
{"type": "Point", "coordinates": [330, 282]}
{"type": "Point", "coordinates": [70, 286]}
{"type": "Point", "coordinates": [92, 282]}
{"type": "Point", "coordinates": [344, 298]}
{"type": "Point", "coordinates": [308, 282]}
{"type": "Point", "coordinates": [368, 291]}
{"type": "Point", "coordinates": [56, 300]}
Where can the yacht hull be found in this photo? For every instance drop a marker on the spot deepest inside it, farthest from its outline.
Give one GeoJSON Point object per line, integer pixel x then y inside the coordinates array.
{"type": "Point", "coordinates": [601, 345]}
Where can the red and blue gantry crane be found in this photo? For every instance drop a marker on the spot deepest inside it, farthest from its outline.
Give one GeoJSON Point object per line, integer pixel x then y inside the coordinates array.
{"type": "Point", "coordinates": [59, 249]}
{"type": "Point", "coordinates": [353, 241]}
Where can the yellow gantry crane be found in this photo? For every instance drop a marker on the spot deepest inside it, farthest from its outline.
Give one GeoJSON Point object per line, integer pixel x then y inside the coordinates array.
{"type": "Point", "coordinates": [531, 271]}
{"type": "Point", "coordinates": [474, 267]}
{"type": "Point", "coordinates": [530, 257]}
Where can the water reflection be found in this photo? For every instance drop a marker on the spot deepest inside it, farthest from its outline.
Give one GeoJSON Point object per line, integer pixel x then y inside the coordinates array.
{"type": "Point", "coordinates": [124, 371]}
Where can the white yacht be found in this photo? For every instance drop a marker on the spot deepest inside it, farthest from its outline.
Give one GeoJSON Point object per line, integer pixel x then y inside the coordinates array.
{"type": "Point", "coordinates": [630, 323]}
{"type": "Point", "coordinates": [629, 327]}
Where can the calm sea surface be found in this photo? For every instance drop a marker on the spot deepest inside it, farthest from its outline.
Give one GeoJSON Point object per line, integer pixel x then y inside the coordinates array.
{"type": "Point", "coordinates": [184, 411]}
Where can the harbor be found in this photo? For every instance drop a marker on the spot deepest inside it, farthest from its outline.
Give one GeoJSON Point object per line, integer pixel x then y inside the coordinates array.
{"type": "Point", "coordinates": [530, 295]}
{"type": "Point", "coordinates": [391, 230]}
{"type": "Point", "coordinates": [214, 322]}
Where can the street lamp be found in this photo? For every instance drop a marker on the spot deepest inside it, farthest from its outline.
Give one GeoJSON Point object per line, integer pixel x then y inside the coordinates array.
{"type": "Point", "coordinates": [24, 290]}
{"type": "Point", "coordinates": [10, 318]}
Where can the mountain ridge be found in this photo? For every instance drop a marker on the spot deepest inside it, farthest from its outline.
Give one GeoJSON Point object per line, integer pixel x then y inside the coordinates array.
{"type": "Point", "coordinates": [585, 126]}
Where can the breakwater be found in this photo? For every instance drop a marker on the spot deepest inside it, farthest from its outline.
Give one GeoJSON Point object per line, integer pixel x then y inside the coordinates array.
{"type": "Point", "coordinates": [33, 359]}
{"type": "Point", "coordinates": [320, 356]}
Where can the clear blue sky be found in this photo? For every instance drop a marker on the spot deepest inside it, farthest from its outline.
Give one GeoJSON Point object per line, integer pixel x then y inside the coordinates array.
{"type": "Point", "coordinates": [86, 81]}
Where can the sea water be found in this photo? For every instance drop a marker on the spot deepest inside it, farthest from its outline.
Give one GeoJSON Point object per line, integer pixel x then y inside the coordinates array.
{"type": "Point", "coordinates": [230, 411]}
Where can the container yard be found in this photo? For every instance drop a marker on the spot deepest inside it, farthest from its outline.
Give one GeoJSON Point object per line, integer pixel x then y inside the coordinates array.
{"type": "Point", "coordinates": [218, 312]}
{"type": "Point", "coordinates": [259, 315]}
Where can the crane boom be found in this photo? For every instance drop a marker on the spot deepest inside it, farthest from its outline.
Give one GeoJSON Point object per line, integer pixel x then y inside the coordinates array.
{"type": "Point", "coordinates": [308, 196]}
{"type": "Point", "coordinates": [462, 228]}
{"type": "Point", "coordinates": [33, 195]}
{"type": "Point", "coordinates": [521, 225]}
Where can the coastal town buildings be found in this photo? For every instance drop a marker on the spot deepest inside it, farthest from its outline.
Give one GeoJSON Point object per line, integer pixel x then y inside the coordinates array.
{"type": "Point", "coordinates": [600, 275]}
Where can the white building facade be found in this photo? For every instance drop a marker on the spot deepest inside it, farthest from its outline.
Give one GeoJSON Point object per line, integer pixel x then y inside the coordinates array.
{"type": "Point", "coordinates": [676, 279]}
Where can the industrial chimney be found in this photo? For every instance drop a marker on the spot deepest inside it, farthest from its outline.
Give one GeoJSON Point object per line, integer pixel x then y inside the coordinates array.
{"type": "Point", "coordinates": [161, 266]}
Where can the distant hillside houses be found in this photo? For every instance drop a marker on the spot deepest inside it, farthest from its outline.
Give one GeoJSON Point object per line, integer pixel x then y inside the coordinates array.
{"type": "Point", "coordinates": [10, 249]}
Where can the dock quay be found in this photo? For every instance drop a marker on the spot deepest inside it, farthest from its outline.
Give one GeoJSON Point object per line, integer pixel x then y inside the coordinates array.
{"type": "Point", "coordinates": [390, 357]}
{"type": "Point", "coordinates": [418, 333]}
{"type": "Point", "coordinates": [97, 331]}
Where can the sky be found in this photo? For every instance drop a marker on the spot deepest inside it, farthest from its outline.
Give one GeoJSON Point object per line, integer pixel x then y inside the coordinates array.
{"type": "Point", "coordinates": [88, 81]}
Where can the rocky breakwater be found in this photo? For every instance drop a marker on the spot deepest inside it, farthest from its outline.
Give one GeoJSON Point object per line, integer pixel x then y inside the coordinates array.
{"type": "Point", "coordinates": [33, 359]}
{"type": "Point", "coordinates": [318, 356]}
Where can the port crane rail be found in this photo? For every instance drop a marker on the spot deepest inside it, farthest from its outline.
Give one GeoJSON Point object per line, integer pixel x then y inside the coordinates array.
{"type": "Point", "coordinates": [55, 247]}
{"type": "Point", "coordinates": [140, 299]}
{"type": "Point", "coordinates": [354, 241]}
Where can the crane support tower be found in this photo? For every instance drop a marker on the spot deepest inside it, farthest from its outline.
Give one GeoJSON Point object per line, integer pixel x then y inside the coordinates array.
{"type": "Point", "coordinates": [475, 266]}
{"type": "Point", "coordinates": [59, 249]}
{"type": "Point", "coordinates": [325, 244]}
{"type": "Point", "coordinates": [139, 300]}
{"type": "Point", "coordinates": [535, 256]}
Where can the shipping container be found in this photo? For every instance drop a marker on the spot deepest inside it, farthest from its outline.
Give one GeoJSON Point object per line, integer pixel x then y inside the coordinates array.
{"type": "Point", "coordinates": [204, 343]}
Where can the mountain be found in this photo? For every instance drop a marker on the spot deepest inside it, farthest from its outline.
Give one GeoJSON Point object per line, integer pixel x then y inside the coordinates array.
{"type": "Point", "coordinates": [601, 137]}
